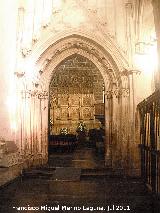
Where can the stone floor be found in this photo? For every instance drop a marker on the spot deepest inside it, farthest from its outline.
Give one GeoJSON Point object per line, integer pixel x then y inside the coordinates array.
{"type": "Point", "coordinates": [82, 157]}
{"type": "Point", "coordinates": [39, 189]}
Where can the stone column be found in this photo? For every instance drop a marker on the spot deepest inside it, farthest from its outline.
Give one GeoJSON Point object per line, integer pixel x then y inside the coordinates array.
{"type": "Point", "coordinates": [43, 119]}
{"type": "Point", "coordinates": [117, 129]}
{"type": "Point", "coordinates": [8, 18]}
{"type": "Point", "coordinates": [8, 15]}
{"type": "Point", "coordinates": [129, 30]}
{"type": "Point", "coordinates": [108, 123]}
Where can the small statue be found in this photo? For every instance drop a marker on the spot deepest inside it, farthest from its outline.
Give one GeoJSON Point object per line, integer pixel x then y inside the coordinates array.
{"type": "Point", "coordinates": [82, 131]}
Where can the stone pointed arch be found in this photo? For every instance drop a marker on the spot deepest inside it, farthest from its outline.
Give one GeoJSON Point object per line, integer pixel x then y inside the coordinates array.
{"type": "Point", "coordinates": [111, 69]}
{"type": "Point", "coordinates": [111, 63]}
{"type": "Point", "coordinates": [103, 41]}
{"type": "Point", "coordinates": [104, 44]}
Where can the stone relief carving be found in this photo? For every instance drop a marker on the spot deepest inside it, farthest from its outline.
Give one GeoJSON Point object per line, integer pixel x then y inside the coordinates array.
{"type": "Point", "coordinates": [34, 93]}
{"type": "Point", "coordinates": [58, 113]}
{"type": "Point", "coordinates": [124, 92]}
{"type": "Point", "coordinates": [64, 113]}
{"type": "Point", "coordinates": [74, 113]}
{"type": "Point", "coordinates": [74, 99]}
{"type": "Point", "coordinates": [87, 113]}
{"type": "Point", "coordinates": [87, 100]}
{"type": "Point", "coordinates": [63, 99]}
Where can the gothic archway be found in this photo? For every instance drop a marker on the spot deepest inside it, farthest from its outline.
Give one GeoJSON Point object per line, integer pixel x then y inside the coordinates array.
{"type": "Point", "coordinates": [116, 82]}
{"type": "Point", "coordinates": [118, 94]}
{"type": "Point", "coordinates": [76, 89]}
{"type": "Point", "coordinates": [76, 99]}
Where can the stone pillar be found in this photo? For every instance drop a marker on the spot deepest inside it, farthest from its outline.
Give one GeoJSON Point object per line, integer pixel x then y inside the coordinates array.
{"type": "Point", "coordinates": [108, 123]}
{"type": "Point", "coordinates": [156, 12]}
{"type": "Point", "coordinates": [8, 19]}
{"type": "Point", "coordinates": [43, 120]}
{"type": "Point", "coordinates": [118, 130]}
{"type": "Point", "coordinates": [129, 30]}
{"type": "Point", "coordinates": [113, 129]}
{"type": "Point", "coordinates": [8, 15]}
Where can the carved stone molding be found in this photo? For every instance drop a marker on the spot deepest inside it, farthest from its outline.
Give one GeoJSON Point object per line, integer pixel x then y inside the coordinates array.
{"type": "Point", "coordinates": [34, 93]}
{"type": "Point", "coordinates": [74, 43]}
{"type": "Point", "coordinates": [124, 92]}
{"type": "Point", "coordinates": [26, 51]}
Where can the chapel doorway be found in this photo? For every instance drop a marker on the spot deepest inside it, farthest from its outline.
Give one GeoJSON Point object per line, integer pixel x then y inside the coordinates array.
{"type": "Point", "coordinates": [76, 106]}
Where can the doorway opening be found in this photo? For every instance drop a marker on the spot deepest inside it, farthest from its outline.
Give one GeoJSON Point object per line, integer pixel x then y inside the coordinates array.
{"type": "Point", "coordinates": [76, 110]}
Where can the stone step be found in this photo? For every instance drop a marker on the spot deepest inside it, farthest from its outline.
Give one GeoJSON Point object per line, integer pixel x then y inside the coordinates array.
{"type": "Point", "coordinates": [103, 172]}
{"type": "Point", "coordinates": [57, 174]}
{"type": "Point", "coordinates": [37, 173]}
{"type": "Point", "coordinates": [48, 172]}
{"type": "Point", "coordinates": [96, 172]}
